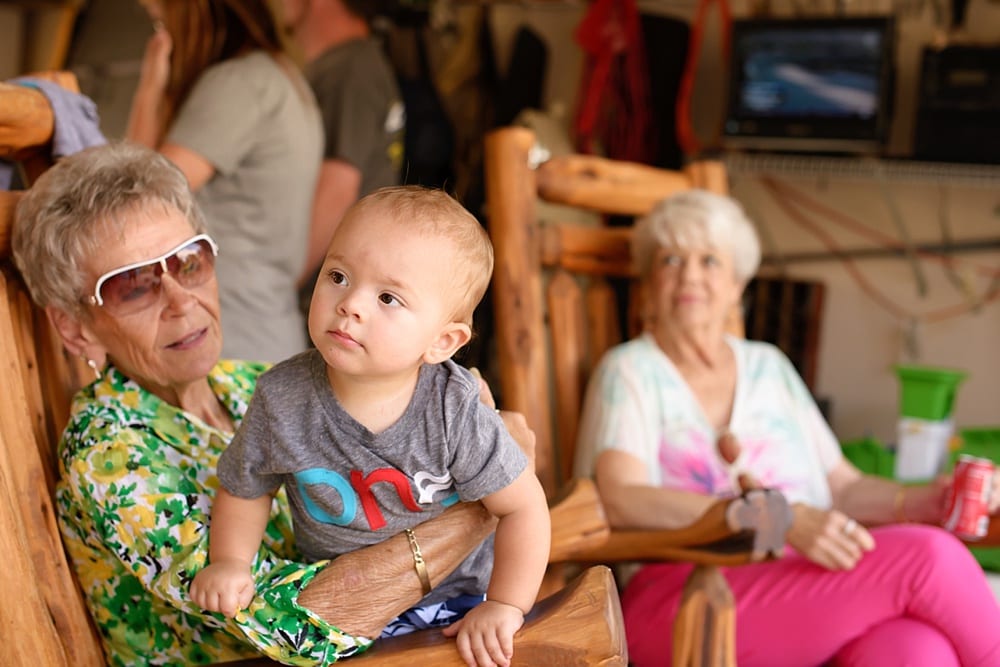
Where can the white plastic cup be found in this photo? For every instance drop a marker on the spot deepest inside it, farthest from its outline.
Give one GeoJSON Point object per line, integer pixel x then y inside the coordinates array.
{"type": "Point", "coordinates": [921, 447]}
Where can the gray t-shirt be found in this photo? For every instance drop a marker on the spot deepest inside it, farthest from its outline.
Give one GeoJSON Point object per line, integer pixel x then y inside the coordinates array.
{"type": "Point", "coordinates": [362, 108]}
{"type": "Point", "coordinates": [257, 123]}
{"type": "Point", "coordinates": [348, 487]}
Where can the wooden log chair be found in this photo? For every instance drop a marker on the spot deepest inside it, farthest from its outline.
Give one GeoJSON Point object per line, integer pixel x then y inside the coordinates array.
{"type": "Point", "coordinates": [555, 313]}
{"type": "Point", "coordinates": [46, 621]}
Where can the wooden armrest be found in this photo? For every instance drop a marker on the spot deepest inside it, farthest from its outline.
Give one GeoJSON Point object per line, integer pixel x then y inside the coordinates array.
{"type": "Point", "coordinates": [580, 624]}
{"type": "Point", "coordinates": [582, 620]}
{"type": "Point", "coordinates": [27, 121]}
{"type": "Point", "coordinates": [739, 530]}
{"type": "Point", "coordinates": [578, 521]}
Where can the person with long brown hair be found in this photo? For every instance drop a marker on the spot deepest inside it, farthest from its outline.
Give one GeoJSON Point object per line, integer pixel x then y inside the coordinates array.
{"type": "Point", "coordinates": [220, 96]}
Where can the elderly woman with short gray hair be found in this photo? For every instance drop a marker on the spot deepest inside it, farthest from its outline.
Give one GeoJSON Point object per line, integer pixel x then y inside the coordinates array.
{"type": "Point", "coordinates": [113, 247]}
{"type": "Point", "coordinates": [656, 411]}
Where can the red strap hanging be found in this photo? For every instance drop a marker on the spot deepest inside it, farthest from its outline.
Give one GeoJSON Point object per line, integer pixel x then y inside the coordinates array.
{"type": "Point", "coordinates": [686, 136]}
{"type": "Point", "coordinates": [613, 109]}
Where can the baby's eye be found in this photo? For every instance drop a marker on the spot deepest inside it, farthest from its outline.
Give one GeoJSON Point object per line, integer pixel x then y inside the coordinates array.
{"type": "Point", "coordinates": [337, 277]}
{"type": "Point", "coordinates": [388, 299]}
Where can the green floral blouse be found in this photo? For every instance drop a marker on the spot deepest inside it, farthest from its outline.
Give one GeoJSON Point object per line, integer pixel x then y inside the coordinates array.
{"type": "Point", "coordinates": [137, 478]}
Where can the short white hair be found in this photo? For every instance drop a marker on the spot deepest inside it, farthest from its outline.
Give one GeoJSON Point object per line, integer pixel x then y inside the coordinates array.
{"type": "Point", "coordinates": [697, 219]}
{"type": "Point", "coordinates": [65, 218]}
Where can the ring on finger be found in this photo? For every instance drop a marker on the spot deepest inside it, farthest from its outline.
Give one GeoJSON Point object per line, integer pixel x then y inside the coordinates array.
{"type": "Point", "coordinates": [849, 526]}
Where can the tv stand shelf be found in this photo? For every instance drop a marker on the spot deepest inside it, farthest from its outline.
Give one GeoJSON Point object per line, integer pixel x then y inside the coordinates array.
{"type": "Point", "coordinates": [862, 168]}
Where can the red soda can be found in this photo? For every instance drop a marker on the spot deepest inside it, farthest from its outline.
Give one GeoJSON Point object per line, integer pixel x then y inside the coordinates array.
{"type": "Point", "coordinates": [966, 512]}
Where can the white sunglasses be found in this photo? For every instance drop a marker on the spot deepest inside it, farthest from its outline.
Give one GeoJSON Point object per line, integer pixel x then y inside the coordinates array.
{"type": "Point", "coordinates": [136, 287]}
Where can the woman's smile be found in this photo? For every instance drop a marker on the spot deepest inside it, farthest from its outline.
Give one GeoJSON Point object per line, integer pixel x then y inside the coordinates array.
{"type": "Point", "coordinates": [190, 341]}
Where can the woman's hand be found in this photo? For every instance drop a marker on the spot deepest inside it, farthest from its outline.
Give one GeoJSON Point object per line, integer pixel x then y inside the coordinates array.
{"type": "Point", "coordinates": [925, 503]}
{"type": "Point", "coordinates": [828, 538]}
{"type": "Point", "coordinates": [155, 72]}
{"type": "Point", "coordinates": [515, 422]}
{"type": "Point", "coordinates": [930, 499]}
{"type": "Point", "coordinates": [993, 504]}
{"type": "Point", "coordinates": [147, 116]}
{"type": "Point", "coordinates": [485, 395]}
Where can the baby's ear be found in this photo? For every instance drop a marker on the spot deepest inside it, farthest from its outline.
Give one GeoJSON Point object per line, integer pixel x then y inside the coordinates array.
{"type": "Point", "coordinates": [449, 341]}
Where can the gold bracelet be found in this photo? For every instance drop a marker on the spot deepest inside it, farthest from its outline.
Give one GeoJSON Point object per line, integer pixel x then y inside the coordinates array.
{"type": "Point", "coordinates": [898, 510]}
{"type": "Point", "coordinates": [418, 561]}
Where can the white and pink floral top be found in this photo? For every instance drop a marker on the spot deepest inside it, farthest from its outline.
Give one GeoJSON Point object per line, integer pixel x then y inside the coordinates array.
{"type": "Point", "coordinates": [639, 403]}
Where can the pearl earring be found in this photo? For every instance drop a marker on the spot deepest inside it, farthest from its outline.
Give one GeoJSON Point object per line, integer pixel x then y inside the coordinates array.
{"type": "Point", "coordinates": [93, 367]}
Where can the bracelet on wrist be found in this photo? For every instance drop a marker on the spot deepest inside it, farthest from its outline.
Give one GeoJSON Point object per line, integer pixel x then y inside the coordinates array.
{"type": "Point", "coordinates": [898, 505]}
{"type": "Point", "coordinates": [508, 604]}
{"type": "Point", "coordinates": [418, 561]}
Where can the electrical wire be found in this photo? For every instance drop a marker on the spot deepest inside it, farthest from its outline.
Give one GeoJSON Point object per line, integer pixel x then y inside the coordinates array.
{"type": "Point", "coordinates": [904, 234]}
{"type": "Point", "coordinates": [784, 196]}
{"type": "Point", "coordinates": [863, 230]}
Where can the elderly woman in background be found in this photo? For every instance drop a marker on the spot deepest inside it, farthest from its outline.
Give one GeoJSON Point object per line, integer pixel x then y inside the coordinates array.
{"type": "Point", "coordinates": [220, 97]}
{"type": "Point", "coordinates": [112, 245]}
{"type": "Point", "coordinates": [658, 405]}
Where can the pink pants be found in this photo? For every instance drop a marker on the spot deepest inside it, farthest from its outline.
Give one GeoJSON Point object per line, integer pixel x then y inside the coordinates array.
{"type": "Point", "coordinates": [918, 599]}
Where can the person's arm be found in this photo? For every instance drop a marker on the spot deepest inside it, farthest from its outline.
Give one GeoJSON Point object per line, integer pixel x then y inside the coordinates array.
{"type": "Point", "coordinates": [445, 542]}
{"type": "Point", "coordinates": [338, 187]}
{"type": "Point", "coordinates": [485, 636]}
{"type": "Point", "coordinates": [226, 585]}
{"type": "Point", "coordinates": [630, 501]}
{"type": "Point", "coordinates": [868, 499]}
{"type": "Point", "coordinates": [521, 545]}
{"type": "Point", "coordinates": [145, 122]}
{"type": "Point", "coordinates": [619, 431]}
{"type": "Point", "coordinates": [875, 500]}
{"type": "Point", "coordinates": [195, 168]}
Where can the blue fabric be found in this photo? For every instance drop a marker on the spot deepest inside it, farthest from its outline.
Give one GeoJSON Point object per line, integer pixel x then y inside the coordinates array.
{"type": "Point", "coordinates": [6, 174]}
{"type": "Point", "coordinates": [435, 615]}
{"type": "Point", "coordinates": [76, 124]}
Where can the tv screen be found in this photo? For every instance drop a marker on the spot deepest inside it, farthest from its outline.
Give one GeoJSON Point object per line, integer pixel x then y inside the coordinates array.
{"type": "Point", "coordinates": [820, 85]}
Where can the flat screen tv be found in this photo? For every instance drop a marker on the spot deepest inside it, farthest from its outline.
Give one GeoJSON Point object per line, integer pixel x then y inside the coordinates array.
{"type": "Point", "coordinates": [811, 85]}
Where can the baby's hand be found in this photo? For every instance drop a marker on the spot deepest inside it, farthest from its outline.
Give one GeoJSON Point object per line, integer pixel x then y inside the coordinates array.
{"type": "Point", "coordinates": [224, 586]}
{"type": "Point", "coordinates": [486, 634]}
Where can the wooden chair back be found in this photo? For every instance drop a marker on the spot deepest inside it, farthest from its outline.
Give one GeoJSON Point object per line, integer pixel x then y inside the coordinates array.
{"type": "Point", "coordinates": [556, 306]}
{"type": "Point", "coordinates": [49, 620]}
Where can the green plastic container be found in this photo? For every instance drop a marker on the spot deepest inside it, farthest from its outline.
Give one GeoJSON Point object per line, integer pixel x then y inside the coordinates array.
{"type": "Point", "coordinates": [981, 441]}
{"type": "Point", "coordinates": [870, 456]}
{"type": "Point", "coordinates": [927, 393]}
